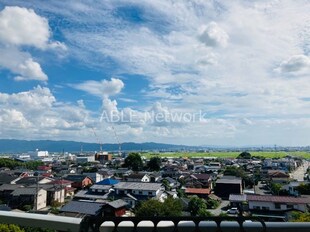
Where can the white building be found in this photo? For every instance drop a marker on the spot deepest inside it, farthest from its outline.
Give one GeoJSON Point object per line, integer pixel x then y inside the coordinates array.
{"type": "Point", "coordinates": [277, 203]}
{"type": "Point", "coordinates": [38, 154]}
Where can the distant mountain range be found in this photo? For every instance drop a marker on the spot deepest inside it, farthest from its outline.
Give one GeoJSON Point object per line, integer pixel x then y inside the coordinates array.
{"type": "Point", "coordinates": [12, 146]}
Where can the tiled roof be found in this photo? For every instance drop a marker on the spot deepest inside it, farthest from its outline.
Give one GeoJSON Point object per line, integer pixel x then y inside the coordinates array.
{"type": "Point", "coordinates": [75, 178]}
{"type": "Point", "coordinates": [10, 187]}
{"type": "Point", "coordinates": [197, 191]}
{"type": "Point", "coordinates": [63, 182]}
{"type": "Point", "coordinates": [279, 199]}
{"type": "Point", "coordinates": [107, 181]}
{"type": "Point", "coordinates": [138, 186]}
{"type": "Point", "coordinates": [230, 180]}
{"type": "Point", "coordinates": [118, 204]}
{"type": "Point", "coordinates": [202, 176]}
{"type": "Point", "coordinates": [237, 197]}
{"type": "Point", "coordinates": [82, 207]}
{"type": "Point", "coordinates": [24, 191]}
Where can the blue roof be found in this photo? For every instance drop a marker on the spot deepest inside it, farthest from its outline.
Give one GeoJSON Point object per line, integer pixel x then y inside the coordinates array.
{"type": "Point", "coordinates": [108, 181]}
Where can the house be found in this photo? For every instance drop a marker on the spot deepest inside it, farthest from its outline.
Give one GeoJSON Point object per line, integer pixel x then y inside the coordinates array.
{"type": "Point", "coordinates": [7, 177]}
{"type": "Point", "coordinates": [198, 181]}
{"type": "Point", "coordinates": [200, 192]}
{"type": "Point", "coordinates": [131, 192]}
{"type": "Point", "coordinates": [277, 203]}
{"type": "Point", "coordinates": [79, 181]}
{"type": "Point", "coordinates": [138, 177]}
{"type": "Point", "coordinates": [95, 176]}
{"type": "Point", "coordinates": [31, 180]}
{"type": "Point", "coordinates": [115, 208]}
{"type": "Point", "coordinates": [228, 185]}
{"type": "Point", "coordinates": [82, 208]}
{"type": "Point", "coordinates": [171, 182]}
{"type": "Point", "coordinates": [278, 176]}
{"type": "Point", "coordinates": [69, 190]}
{"type": "Point", "coordinates": [28, 196]}
{"type": "Point", "coordinates": [54, 193]}
{"type": "Point", "coordinates": [6, 190]}
{"type": "Point", "coordinates": [237, 201]}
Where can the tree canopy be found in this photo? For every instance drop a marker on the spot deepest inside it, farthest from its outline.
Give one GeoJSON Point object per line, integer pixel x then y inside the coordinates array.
{"type": "Point", "coordinates": [198, 207]}
{"type": "Point", "coordinates": [154, 164]}
{"type": "Point", "coordinates": [11, 164]}
{"type": "Point", "coordinates": [244, 155]}
{"type": "Point", "coordinates": [152, 208]}
{"type": "Point", "coordinates": [134, 162]}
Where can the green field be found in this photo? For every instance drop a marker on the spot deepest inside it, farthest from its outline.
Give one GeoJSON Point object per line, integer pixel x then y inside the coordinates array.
{"type": "Point", "coordinates": [266, 154]}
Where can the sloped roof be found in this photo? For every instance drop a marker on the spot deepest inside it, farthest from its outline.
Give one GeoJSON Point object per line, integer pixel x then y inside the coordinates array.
{"type": "Point", "coordinates": [279, 199]}
{"type": "Point", "coordinates": [201, 176]}
{"type": "Point", "coordinates": [10, 187]}
{"type": "Point", "coordinates": [75, 178]}
{"type": "Point", "coordinates": [197, 191]}
{"type": "Point", "coordinates": [237, 197]}
{"type": "Point", "coordinates": [107, 181]}
{"type": "Point", "coordinates": [118, 204]}
{"type": "Point", "coordinates": [88, 208]}
{"type": "Point", "coordinates": [6, 178]}
{"type": "Point", "coordinates": [24, 191]}
{"type": "Point", "coordinates": [138, 186]}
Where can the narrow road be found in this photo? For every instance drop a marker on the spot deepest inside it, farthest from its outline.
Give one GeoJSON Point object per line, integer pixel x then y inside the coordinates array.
{"type": "Point", "coordinates": [219, 210]}
{"type": "Point", "coordinates": [299, 173]}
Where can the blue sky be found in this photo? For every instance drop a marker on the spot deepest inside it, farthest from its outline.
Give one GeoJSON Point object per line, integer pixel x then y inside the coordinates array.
{"type": "Point", "coordinates": [197, 72]}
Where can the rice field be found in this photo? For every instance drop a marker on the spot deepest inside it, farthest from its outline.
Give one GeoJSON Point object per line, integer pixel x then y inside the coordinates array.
{"type": "Point", "coordinates": [266, 154]}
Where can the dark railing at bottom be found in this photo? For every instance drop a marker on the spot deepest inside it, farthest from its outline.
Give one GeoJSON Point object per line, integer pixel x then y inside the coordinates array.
{"type": "Point", "coordinates": [176, 224]}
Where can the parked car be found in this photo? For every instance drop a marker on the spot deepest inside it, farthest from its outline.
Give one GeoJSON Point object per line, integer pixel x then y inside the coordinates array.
{"type": "Point", "coordinates": [233, 211]}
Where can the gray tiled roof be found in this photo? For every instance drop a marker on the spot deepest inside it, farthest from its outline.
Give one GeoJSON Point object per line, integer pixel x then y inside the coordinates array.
{"type": "Point", "coordinates": [229, 180]}
{"type": "Point", "coordinates": [10, 187]}
{"type": "Point", "coordinates": [117, 204]}
{"type": "Point", "coordinates": [88, 208]}
{"type": "Point", "coordinates": [138, 186]}
{"type": "Point", "coordinates": [24, 191]}
{"type": "Point", "coordinates": [237, 197]}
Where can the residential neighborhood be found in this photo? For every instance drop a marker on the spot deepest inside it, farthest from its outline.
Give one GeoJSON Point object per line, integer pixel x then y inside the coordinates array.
{"type": "Point", "coordinates": [120, 185]}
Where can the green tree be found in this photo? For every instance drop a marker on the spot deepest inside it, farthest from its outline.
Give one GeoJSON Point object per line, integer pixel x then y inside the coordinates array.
{"type": "Point", "coordinates": [134, 162]}
{"type": "Point", "coordinates": [166, 184]}
{"type": "Point", "coordinates": [198, 207]}
{"type": "Point", "coordinates": [212, 204]}
{"type": "Point", "coordinates": [10, 228]}
{"type": "Point", "coordinates": [154, 164]}
{"type": "Point", "coordinates": [300, 217]}
{"type": "Point", "coordinates": [275, 188]}
{"type": "Point", "coordinates": [244, 155]}
{"type": "Point", "coordinates": [304, 189]}
{"type": "Point", "coordinates": [153, 208]}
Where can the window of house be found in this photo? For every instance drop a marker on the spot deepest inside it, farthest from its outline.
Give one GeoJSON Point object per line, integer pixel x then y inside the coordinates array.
{"type": "Point", "coordinates": [256, 207]}
{"type": "Point", "coordinates": [150, 193]}
{"type": "Point", "coordinates": [140, 192]}
{"type": "Point", "coordinates": [290, 206]}
{"type": "Point", "coordinates": [277, 206]}
{"type": "Point", "coordinates": [265, 208]}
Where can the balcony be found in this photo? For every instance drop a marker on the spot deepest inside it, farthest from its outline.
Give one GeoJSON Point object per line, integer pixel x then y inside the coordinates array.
{"type": "Point", "coordinates": [154, 224]}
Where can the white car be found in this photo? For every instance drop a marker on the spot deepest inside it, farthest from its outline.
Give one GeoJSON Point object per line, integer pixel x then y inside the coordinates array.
{"type": "Point", "coordinates": [233, 211]}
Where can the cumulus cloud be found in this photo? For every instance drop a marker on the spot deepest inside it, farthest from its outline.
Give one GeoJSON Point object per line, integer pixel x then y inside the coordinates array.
{"type": "Point", "coordinates": [212, 35]}
{"type": "Point", "coordinates": [23, 27]}
{"type": "Point", "coordinates": [103, 88]}
{"type": "Point", "coordinates": [295, 65]}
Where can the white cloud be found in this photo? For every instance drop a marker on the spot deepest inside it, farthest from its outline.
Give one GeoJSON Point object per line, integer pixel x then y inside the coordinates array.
{"type": "Point", "coordinates": [21, 27]}
{"type": "Point", "coordinates": [22, 64]}
{"type": "Point", "coordinates": [296, 64]}
{"type": "Point", "coordinates": [212, 35]}
{"type": "Point", "coordinates": [103, 88]}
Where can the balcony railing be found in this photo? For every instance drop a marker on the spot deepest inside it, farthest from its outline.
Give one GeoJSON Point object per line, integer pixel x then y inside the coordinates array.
{"type": "Point", "coordinates": [147, 224]}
